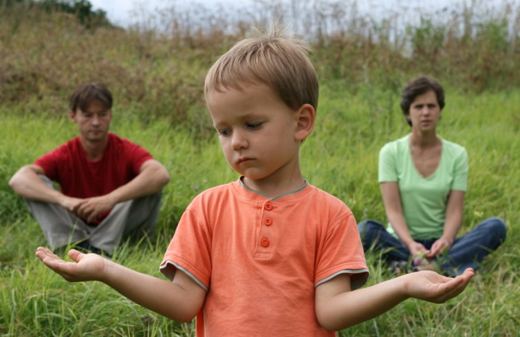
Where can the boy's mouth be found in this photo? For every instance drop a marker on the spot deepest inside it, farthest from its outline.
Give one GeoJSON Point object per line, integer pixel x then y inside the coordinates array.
{"type": "Point", "coordinates": [243, 160]}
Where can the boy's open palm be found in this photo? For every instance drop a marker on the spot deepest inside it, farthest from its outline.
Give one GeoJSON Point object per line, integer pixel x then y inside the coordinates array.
{"type": "Point", "coordinates": [85, 267]}
{"type": "Point", "coordinates": [430, 286]}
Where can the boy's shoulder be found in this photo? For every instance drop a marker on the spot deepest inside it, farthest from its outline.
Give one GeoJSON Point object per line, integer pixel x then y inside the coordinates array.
{"type": "Point", "coordinates": [324, 199]}
{"type": "Point", "coordinates": [214, 192]}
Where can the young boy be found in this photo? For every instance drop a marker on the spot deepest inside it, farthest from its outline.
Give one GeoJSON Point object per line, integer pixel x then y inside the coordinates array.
{"type": "Point", "coordinates": [268, 254]}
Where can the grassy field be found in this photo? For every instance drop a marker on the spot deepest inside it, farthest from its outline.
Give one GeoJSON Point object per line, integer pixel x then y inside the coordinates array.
{"type": "Point", "coordinates": [157, 82]}
{"type": "Point", "coordinates": [340, 157]}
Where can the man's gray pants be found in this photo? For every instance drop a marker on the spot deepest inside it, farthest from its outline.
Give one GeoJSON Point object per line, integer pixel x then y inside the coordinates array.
{"type": "Point", "coordinates": [61, 227]}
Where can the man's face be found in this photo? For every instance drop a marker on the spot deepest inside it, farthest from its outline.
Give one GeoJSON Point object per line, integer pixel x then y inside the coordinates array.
{"type": "Point", "coordinates": [94, 122]}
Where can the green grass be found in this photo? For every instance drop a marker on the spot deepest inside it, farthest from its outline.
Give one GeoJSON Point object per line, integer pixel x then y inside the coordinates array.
{"type": "Point", "coordinates": [340, 157]}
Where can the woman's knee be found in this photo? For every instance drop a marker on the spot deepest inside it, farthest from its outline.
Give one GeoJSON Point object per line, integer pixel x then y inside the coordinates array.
{"type": "Point", "coordinates": [496, 229]}
{"type": "Point", "coordinates": [367, 227]}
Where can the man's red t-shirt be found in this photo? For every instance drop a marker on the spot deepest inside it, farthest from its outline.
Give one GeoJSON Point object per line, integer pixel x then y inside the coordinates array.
{"type": "Point", "coordinates": [80, 178]}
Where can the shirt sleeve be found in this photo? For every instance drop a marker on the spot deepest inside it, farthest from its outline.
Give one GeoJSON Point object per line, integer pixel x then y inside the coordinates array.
{"type": "Point", "coordinates": [52, 161]}
{"type": "Point", "coordinates": [387, 170]}
{"type": "Point", "coordinates": [190, 247]}
{"type": "Point", "coordinates": [341, 251]}
{"type": "Point", "coordinates": [460, 177]}
{"type": "Point", "coordinates": [137, 156]}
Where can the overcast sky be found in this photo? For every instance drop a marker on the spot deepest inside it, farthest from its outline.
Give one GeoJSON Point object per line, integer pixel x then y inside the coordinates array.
{"type": "Point", "coordinates": [123, 12]}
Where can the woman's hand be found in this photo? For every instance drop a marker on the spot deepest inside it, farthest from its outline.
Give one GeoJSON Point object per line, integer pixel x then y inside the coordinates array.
{"type": "Point", "coordinates": [417, 249]}
{"type": "Point", "coordinates": [438, 247]}
{"type": "Point", "coordinates": [86, 267]}
{"type": "Point", "coordinates": [433, 287]}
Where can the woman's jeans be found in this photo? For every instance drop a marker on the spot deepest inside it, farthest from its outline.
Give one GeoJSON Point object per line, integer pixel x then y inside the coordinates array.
{"type": "Point", "coordinates": [467, 251]}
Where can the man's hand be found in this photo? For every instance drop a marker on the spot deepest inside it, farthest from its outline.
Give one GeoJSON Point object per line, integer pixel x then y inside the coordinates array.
{"type": "Point", "coordinates": [86, 267]}
{"type": "Point", "coordinates": [70, 203]}
{"type": "Point", "coordinates": [90, 209]}
{"type": "Point", "coordinates": [439, 246]}
{"type": "Point", "coordinates": [430, 286]}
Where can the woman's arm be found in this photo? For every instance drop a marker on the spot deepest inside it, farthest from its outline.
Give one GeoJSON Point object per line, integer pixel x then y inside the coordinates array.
{"type": "Point", "coordinates": [394, 213]}
{"type": "Point", "coordinates": [180, 299]}
{"type": "Point", "coordinates": [454, 212]}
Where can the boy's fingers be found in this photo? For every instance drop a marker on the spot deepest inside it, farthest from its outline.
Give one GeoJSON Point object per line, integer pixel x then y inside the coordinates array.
{"type": "Point", "coordinates": [75, 255]}
{"type": "Point", "coordinates": [456, 285]}
{"type": "Point", "coordinates": [44, 253]}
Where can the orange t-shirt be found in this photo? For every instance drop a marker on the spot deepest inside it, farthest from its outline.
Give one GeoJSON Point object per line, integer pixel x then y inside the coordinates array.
{"type": "Point", "coordinates": [260, 260]}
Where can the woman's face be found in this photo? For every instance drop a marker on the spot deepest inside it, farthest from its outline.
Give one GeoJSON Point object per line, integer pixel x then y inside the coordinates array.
{"type": "Point", "coordinates": [425, 112]}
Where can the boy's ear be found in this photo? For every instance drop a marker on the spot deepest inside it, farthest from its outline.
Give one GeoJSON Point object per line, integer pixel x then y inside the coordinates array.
{"type": "Point", "coordinates": [72, 114]}
{"type": "Point", "coordinates": [305, 118]}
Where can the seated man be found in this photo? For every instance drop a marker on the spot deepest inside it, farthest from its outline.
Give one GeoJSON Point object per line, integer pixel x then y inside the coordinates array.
{"type": "Point", "coordinates": [110, 187]}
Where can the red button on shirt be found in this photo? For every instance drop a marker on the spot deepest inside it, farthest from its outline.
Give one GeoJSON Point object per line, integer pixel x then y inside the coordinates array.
{"type": "Point", "coordinates": [268, 206]}
{"type": "Point", "coordinates": [268, 221]}
{"type": "Point", "coordinates": [264, 242]}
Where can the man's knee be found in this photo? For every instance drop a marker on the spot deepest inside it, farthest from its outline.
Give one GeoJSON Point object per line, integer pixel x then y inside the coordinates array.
{"type": "Point", "coordinates": [46, 180]}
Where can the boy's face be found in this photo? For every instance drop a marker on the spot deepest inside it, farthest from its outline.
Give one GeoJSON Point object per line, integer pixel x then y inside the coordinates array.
{"type": "Point", "coordinates": [94, 122]}
{"type": "Point", "coordinates": [259, 134]}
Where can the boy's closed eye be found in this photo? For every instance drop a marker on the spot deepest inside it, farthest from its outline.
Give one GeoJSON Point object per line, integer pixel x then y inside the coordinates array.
{"type": "Point", "coordinates": [224, 132]}
{"type": "Point", "coordinates": [253, 125]}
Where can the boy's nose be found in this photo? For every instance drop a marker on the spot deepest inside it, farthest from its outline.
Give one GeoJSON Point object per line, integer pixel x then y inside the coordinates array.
{"type": "Point", "coordinates": [238, 141]}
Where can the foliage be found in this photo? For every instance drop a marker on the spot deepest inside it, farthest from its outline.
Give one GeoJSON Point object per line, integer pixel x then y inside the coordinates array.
{"type": "Point", "coordinates": [170, 53]}
{"type": "Point", "coordinates": [81, 9]}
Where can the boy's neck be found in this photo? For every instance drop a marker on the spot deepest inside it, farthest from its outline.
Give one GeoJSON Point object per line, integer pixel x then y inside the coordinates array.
{"type": "Point", "coordinates": [272, 190]}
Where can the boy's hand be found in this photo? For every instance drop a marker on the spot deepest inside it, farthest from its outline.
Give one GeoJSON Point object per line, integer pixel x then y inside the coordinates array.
{"type": "Point", "coordinates": [433, 287]}
{"type": "Point", "coordinates": [86, 267]}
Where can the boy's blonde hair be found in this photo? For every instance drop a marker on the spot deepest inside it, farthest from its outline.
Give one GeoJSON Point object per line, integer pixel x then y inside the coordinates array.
{"type": "Point", "coordinates": [279, 62]}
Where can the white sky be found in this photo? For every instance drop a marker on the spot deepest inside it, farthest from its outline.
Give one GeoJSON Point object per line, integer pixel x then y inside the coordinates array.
{"type": "Point", "coordinates": [123, 12]}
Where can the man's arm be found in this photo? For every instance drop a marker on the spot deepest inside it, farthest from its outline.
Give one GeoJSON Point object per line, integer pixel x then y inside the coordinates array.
{"type": "Point", "coordinates": [180, 299]}
{"type": "Point", "coordinates": [394, 213]}
{"type": "Point", "coordinates": [454, 212]}
{"type": "Point", "coordinates": [151, 179]}
{"type": "Point", "coordinates": [337, 307]}
{"type": "Point", "coordinates": [26, 183]}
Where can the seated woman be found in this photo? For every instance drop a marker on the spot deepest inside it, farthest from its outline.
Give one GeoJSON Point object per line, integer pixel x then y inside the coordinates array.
{"type": "Point", "coordinates": [423, 179]}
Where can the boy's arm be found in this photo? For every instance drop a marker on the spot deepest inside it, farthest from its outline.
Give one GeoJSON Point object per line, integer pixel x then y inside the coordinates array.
{"type": "Point", "coordinates": [337, 307]}
{"type": "Point", "coordinates": [180, 299]}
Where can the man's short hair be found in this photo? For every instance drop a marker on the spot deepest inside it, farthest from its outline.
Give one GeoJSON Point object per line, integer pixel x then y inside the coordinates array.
{"type": "Point", "coordinates": [417, 87]}
{"type": "Point", "coordinates": [89, 92]}
{"type": "Point", "coordinates": [278, 62]}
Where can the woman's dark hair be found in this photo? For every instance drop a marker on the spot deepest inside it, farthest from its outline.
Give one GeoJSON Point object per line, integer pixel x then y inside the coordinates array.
{"type": "Point", "coordinates": [86, 93]}
{"type": "Point", "coordinates": [417, 87]}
